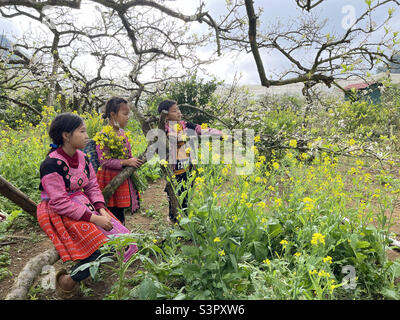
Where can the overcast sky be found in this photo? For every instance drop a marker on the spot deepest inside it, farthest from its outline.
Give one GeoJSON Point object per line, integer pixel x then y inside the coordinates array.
{"type": "Point", "coordinates": [337, 13]}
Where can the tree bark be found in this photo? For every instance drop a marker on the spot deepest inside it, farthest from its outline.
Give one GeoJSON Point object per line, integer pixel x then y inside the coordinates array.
{"type": "Point", "coordinates": [30, 272]}
{"type": "Point", "coordinates": [17, 197]}
{"type": "Point", "coordinates": [253, 42]}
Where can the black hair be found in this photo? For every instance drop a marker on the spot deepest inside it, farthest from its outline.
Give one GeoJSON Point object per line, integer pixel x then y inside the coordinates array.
{"type": "Point", "coordinates": [64, 122]}
{"type": "Point", "coordinates": [113, 105]}
{"type": "Point", "coordinates": [165, 105]}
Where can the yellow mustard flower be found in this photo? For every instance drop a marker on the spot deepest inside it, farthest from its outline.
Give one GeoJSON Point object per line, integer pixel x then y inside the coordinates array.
{"type": "Point", "coordinates": [275, 165]}
{"type": "Point", "coordinates": [293, 143]}
{"type": "Point", "coordinates": [323, 274]}
{"type": "Point", "coordinates": [164, 162]}
{"type": "Point", "coordinates": [327, 259]}
{"type": "Point", "coordinates": [318, 238]}
{"type": "Point", "coordinates": [261, 204]}
{"type": "Point", "coordinates": [312, 272]}
{"type": "Point", "coordinates": [177, 127]}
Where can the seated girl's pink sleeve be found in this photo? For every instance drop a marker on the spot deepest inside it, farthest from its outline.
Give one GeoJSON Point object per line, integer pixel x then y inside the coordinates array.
{"type": "Point", "coordinates": [114, 164]}
{"type": "Point", "coordinates": [59, 201]}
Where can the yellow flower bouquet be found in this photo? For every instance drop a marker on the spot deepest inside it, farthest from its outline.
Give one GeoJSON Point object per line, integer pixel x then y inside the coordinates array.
{"type": "Point", "coordinates": [109, 139]}
{"type": "Point", "coordinates": [117, 149]}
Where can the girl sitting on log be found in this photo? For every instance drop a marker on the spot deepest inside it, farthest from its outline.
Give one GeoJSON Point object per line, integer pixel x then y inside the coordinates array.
{"type": "Point", "coordinates": [114, 152]}
{"type": "Point", "coordinates": [72, 210]}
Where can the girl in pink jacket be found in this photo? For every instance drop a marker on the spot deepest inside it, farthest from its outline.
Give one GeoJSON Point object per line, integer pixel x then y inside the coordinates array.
{"type": "Point", "coordinates": [72, 211]}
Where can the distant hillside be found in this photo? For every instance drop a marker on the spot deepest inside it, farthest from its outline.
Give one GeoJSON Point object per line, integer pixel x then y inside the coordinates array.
{"type": "Point", "coordinates": [296, 89]}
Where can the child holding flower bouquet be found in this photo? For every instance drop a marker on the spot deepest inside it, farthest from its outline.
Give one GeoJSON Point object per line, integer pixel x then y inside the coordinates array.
{"type": "Point", "coordinates": [114, 153]}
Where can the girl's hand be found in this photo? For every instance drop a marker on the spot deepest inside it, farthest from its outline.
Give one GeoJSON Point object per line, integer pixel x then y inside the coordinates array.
{"type": "Point", "coordinates": [104, 213]}
{"type": "Point", "coordinates": [102, 221]}
{"type": "Point", "coordinates": [132, 162]}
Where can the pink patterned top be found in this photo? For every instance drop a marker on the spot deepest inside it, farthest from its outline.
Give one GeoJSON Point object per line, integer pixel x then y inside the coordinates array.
{"type": "Point", "coordinates": [70, 185]}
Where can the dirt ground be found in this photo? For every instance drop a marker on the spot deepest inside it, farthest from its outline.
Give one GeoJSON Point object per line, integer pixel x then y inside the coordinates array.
{"type": "Point", "coordinates": [31, 241]}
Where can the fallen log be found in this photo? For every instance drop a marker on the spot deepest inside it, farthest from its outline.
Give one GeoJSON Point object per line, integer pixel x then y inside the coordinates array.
{"type": "Point", "coordinates": [7, 243]}
{"type": "Point", "coordinates": [29, 273]}
{"type": "Point", "coordinates": [17, 196]}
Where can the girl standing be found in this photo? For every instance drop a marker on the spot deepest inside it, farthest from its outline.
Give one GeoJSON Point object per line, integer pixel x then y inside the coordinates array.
{"type": "Point", "coordinates": [113, 159]}
{"type": "Point", "coordinates": [176, 129]}
{"type": "Point", "coordinates": [72, 210]}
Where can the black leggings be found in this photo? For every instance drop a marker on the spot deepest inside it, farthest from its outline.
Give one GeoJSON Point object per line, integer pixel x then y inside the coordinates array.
{"type": "Point", "coordinates": [179, 191]}
{"type": "Point", "coordinates": [118, 213]}
{"type": "Point", "coordinates": [82, 275]}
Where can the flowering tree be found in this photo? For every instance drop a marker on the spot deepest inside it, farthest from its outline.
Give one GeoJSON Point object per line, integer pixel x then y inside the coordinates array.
{"type": "Point", "coordinates": [134, 48]}
{"type": "Point", "coordinates": [333, 56]}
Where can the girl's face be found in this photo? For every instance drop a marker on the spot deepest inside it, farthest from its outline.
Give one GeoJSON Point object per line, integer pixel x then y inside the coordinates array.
{"type": "Point", "coordinates": [174, 114]}
{"type": "Point", "coordinates": [122, 117]}
{"type": "Point", "coordinates": [78, 138]}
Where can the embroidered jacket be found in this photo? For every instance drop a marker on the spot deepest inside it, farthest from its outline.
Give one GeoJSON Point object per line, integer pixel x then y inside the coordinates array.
{"type": "Point", "coordinates": [70, 185]}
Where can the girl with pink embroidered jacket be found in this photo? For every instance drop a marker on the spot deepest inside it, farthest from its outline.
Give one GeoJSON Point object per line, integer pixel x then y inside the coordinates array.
{"type": "Point", "coordinates": [72, 211]}
{"type": "Point", "coordinates": [117, 113]}
{"type": "Point", "coordinates": [176, 128]}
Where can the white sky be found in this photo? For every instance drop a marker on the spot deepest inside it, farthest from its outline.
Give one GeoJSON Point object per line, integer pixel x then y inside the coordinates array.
{"type": "Point", "coordinates": [274, 10]}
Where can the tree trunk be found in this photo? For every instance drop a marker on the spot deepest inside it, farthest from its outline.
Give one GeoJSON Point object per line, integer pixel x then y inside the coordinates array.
{"type": "Point", "coordinates": [17, 197]}
{"type": "Point", "coordinates": [252, 32]}
{"type": "Point", "coordinates": [109, 190]}
{"type": "Point", "coordinates": [30, 272]}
